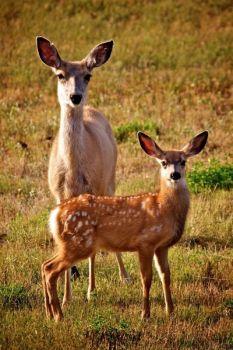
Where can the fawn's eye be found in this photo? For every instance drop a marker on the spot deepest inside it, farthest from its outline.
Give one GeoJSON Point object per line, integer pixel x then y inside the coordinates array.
{"type": "Point", "coordinates": [87, 77]}
{"type": "Point", "coordinates": [182, 163]}
{"type": "Point", "coordinates": [61, 76]}
{"type": "Point", "coordinates": [164, 164]}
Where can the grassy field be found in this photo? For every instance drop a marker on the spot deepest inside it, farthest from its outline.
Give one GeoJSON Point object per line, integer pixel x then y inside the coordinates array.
{"type": "Point", "coordinates": [171, 75]}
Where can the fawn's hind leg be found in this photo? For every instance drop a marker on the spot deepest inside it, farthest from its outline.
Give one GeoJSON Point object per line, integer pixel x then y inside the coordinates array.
{"type": "Point", "coordinates": [51, 269]}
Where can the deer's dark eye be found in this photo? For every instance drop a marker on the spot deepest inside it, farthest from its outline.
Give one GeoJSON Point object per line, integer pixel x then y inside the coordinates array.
{"type": "Point", "coordinates": [164, 164]}
{"type": "Point", "coordinates": [87, 77]}
{"type": "Point", "coordinates": [61, 76]}
{"type": "Point", "coordinates": [182, 163]}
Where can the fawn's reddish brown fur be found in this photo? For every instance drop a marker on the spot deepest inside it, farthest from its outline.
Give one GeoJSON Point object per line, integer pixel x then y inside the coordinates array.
{"type": "Point", "coordinates": [147, 224]}
{"type": "Point", "coordinates": [84, 154]}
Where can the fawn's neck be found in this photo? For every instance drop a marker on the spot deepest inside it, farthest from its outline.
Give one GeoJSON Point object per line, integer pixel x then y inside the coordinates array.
{"type": "Point", "coordinates": [175, 197]}
{"type": "Point", "coordinates": [70, 136]}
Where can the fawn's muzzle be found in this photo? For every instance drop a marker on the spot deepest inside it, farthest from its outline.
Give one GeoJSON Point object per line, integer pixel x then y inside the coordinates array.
{"type": "Point", "coordinates": [76, 99]}
{"type": "Point", "coordinates": [175, 176]}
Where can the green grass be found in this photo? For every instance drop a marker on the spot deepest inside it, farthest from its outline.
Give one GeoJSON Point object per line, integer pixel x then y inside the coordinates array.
{"type": "Point", "coordinates": [170, 75]}
{"type": "Point", "coordinates": [128, 131]}
{"type": "Point", "coordinates": [215, 177]}
{"type": "Point", "coordinates": [14, 297]}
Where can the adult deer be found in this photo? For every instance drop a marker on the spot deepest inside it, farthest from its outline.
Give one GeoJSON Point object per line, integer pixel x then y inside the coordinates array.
{"type": "Point", "coordinates": [84, 154]}
{"type": "Point", "coordinates": [148, 224]}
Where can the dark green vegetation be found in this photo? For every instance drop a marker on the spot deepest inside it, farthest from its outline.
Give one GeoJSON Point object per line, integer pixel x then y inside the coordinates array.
{"type": "Point", "coordinates": [214, 177]}
{"type": "Point", "coordinates": [170, 74]}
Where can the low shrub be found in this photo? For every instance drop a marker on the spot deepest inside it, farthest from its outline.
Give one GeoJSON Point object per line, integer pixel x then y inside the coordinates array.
{"type": "Point", "coordinates": [126, 131]}
{"type": "Point", "coordinates": [215, 177]}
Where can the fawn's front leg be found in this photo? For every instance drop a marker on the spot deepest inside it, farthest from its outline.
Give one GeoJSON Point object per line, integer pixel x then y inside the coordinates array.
{"type": "Point", "coordinates": [124, 276]}
{"type": "Point", "coordinates": [162, 266]}
{"type": "Point", "coordinates": [145, 260]}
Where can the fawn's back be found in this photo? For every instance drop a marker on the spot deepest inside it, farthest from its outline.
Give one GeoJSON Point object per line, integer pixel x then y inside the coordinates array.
{"type": "Point", "coordinates": [120, 223]}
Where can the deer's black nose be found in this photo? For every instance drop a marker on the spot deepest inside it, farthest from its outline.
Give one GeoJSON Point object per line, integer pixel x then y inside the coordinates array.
{"type": "Point", "coordinates": [175, 176]}
{"type": "Point", "coordinates": [76, 99]}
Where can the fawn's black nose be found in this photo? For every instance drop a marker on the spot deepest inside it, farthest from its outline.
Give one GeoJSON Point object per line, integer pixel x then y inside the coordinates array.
{"type": "Point", "coordinates": [175, 176]}
{"type": "Point", "coordinates": [76, 99]}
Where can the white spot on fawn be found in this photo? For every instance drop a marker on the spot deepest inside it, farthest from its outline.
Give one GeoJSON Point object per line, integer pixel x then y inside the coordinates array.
{"type": "Point", "coordinates": [80, 224]}
{"type": "Point", "coordinates": [156, 228]}
{"type": "Point", "coordinates": [69, 217]}
{"type": "Point", "coordinates": [89, 242]}
{"type": "Point", "coordinates": [74, 218]}
{"type": "Point", "coordinates": [143, 205]}
{"type": "Point", "coordinates": [88, 232]}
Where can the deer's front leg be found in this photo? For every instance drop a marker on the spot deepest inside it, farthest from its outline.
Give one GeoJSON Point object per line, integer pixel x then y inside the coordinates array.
{"type": "Point", "coordinates": [91, 285]}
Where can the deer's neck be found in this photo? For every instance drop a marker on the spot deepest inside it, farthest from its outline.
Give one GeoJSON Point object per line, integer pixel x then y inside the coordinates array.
{"type": "Point", "coordinates": [70, 136]}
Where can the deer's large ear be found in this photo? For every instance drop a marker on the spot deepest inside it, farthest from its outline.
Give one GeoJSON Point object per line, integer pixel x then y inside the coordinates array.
{"type": "Point", "coordinates": [196, 145]}
{"type": "Point", "coordinates": [99, 54]}
{"type": "Point", "coordinates": [150, 146]}
{"type": "Point", "coordinates": [48, 52]}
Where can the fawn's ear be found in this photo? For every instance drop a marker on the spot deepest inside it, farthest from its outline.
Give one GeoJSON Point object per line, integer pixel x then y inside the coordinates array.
{"type": "Point", "coordinates": [99, 54]}
{"type": "Point", "coordinates": [48, 52]}
{"type": "Point", "coordinates": [149, 146]}
{"type": "Point", "coordinates": [196, 145]}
